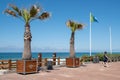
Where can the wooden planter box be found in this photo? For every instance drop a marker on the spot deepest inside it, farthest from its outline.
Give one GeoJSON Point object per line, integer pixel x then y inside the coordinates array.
{"type": "Point", "coordinates": [72, 62]}
{"type": "Point", "coordinates": [26, 66]}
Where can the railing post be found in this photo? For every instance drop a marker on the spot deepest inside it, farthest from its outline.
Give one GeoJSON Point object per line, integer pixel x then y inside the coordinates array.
{"type": "Point", "coordinates": [9, 64]}
{"type": "Point", "coordinates": [58, 60]}
{"type": "Point", "coordinates": [2, 64]}
{"type": "Point", "coordinates": [45, 61]}
{"type": "Point", "coordinates": [54, 58]}
{"type": "Point", "coordinates": [39, 60]}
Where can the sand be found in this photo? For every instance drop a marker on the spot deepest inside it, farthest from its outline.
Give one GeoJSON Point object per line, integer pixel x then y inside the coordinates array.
{"type": "Point", "coordinates": [88, 71]}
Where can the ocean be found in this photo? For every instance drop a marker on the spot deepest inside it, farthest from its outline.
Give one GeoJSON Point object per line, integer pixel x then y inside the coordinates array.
{"type": "Point", "coordinates": [18, 55]}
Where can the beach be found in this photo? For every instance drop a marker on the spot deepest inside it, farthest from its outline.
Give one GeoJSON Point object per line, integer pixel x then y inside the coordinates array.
{"type": "Point", "coordinates": [87, 71]}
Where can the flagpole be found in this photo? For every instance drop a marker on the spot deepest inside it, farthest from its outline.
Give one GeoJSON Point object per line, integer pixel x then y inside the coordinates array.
{"type": "Point", "coordinates": [90, 34]}
{"type": "Point", "coordinates": [110, 40]}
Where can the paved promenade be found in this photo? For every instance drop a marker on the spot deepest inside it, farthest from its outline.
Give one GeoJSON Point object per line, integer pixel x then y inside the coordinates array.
{"type": "Point", "coordinates": [88, 71]}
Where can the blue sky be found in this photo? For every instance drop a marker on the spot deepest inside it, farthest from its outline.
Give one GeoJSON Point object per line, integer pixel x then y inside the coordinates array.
{"type": "Point", "coordinates": [53, 35]}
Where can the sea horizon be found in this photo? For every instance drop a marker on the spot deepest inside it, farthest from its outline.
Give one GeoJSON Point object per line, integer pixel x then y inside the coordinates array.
{"type": "Point", "coordinates": [62, 55]}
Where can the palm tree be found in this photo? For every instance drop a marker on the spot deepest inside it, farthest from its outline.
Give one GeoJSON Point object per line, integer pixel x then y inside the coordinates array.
{"type": "Point", "coordinates": [73, 26]}
{"type": "Point", "coordinates": [27, 15]}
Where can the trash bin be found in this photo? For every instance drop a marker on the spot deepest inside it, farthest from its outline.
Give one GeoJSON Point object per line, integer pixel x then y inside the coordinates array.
{"type": "Point", "coordinates": [96, 59]}
{"type": "Point", "coordinates": [49, 65]}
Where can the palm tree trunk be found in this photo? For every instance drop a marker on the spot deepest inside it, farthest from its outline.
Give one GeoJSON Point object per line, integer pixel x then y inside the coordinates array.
{"type": "Point", "coordinates": [72, 51]}
{"type": "Point", "coordinates": [27, 43]}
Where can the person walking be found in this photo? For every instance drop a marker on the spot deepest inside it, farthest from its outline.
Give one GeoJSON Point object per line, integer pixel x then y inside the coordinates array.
{"type": "Point", "coordinates": [105, 59]}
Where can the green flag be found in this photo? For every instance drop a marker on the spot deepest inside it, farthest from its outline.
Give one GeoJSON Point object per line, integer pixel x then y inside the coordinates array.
{"type": "Point", "coordinates": [93, 18]}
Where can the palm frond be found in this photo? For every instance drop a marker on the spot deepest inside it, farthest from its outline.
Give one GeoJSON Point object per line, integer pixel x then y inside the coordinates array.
{"type": "Point", "coordinates": [15, 8]}
{"type": "Point", "coordinates": [70, 23]}
{"type": "Point", "coordinates": [74, 25]}
{"type": "Point", "coordinates": [80, 26]}
{"type": "Point", "coordinates": [10, 12]}
{"type": "Point", "coordinates": [34, 10]}
{"type": "Point", "coordinates": [25, 15]}
{"type": "Point", "coordinates": [44, 15]}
